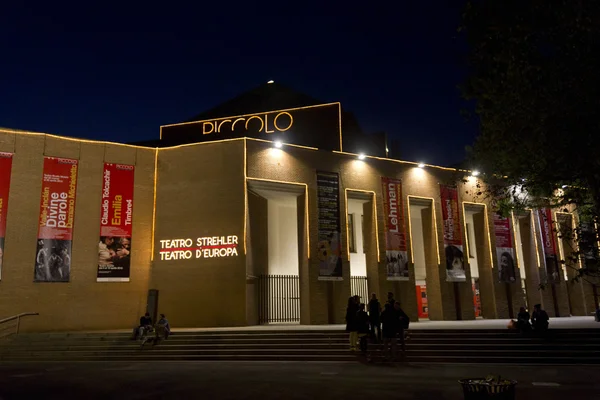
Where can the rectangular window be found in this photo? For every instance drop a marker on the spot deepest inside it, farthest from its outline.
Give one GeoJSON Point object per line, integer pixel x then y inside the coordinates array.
{"type": "Point", "coordinates": [351, 237]}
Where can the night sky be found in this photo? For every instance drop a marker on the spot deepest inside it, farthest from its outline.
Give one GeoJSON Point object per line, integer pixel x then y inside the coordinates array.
{"type": "Point", "coordinates": [118, 74]}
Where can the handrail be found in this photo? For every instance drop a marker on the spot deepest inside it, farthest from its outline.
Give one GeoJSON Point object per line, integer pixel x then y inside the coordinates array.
{"type": "Point", "coordinates": [18, 318]}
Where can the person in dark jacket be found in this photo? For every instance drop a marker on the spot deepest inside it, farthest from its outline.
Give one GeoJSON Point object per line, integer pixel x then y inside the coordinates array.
{"type": "Point", "coordinates": [375, 317]}
{"type": "Point", "coordinates": [362, 326]}
{"type": "Point", "coordinates": [539, 319]}
{"type": "Point", "coordinates": [390, 326]}
{"type": "Point", "coordinates": [145, 323]}
{"type": "Point", "coordinates": [351, 325]}
{"type": "Point", "coordinates": [523, 320]}
{"type": "Point", "coordinates": [403, 324]}
{"type": "Point", "coordinates": [390, 299]}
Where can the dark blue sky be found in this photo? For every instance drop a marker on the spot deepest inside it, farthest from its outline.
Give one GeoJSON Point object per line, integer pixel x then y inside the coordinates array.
{"type": "Point", "coordinates": [117, 74]}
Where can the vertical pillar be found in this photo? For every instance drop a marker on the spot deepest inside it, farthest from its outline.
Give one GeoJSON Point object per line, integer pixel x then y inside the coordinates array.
{"type": "Point", "coordinates": [530, 259]}
{"type": "Point", "coordinates": [257, 257]}
{"type": "Point", "coordinates": [303, 261]}
{"type": "Point", "coordinates": [484, 263]}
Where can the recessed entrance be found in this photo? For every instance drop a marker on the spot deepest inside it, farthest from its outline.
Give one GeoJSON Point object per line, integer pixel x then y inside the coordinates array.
{"type": "Point", "coordinates": [423, 253]}
{"type": "Point", "coordinates": [276, 241]}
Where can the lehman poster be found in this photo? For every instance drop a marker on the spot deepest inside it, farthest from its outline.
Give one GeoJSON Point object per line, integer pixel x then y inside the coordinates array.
{"type": "Point", "coordinates": [55, 228]}
{"type": "Point", "coordinates": [395, 235]}
{"type": "Point", "coordinates": [114, 247]}
{"type": "Point", "coordinates": [504, 250]}
{"type": "Point", "coordinates": [455, 266]}
{"type": "Point", "coordinates": [5, 169]}
{"type": "Point", "coordinates": [330, 245]}
{"type": "Point", "coordinates": [552, 270]}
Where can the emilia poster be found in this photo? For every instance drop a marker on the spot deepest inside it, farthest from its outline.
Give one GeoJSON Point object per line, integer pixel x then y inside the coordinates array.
{"type": "Point", "coordinates": [329, 250]}
{"type": "Point", "coordinates": [116, 216]}
{"type": "Point", "coordinates": [57, 213]}
{"type": "Point", "coordinates": [505, 253]}
{"type": "Point", "coordinates": [453, 247]}
{"type": "Point", "coordinates": [395, 235]}
{"type": "Point", "coordinates": [550, 256]}
{"type": "Point", "coordinates": [5, 170]}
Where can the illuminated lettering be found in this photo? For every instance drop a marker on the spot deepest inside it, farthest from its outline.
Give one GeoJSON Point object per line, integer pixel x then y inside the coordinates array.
{"type": "Point", "coordinates": [205, 247]}
{"type": "Point", "coordinates": [212, 128]}
{"type": "Point", "coordinates": [278, 124]}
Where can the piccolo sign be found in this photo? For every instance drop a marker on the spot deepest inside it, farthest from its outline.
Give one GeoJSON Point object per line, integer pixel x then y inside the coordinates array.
{"type": "Point", "coordinates": [202, 247]}
{"type": "Point", "coordinates": [266, 122]}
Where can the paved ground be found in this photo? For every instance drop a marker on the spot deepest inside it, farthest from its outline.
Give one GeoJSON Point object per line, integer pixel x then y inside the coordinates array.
{"type": "Point", "coordinates": [260, 380]}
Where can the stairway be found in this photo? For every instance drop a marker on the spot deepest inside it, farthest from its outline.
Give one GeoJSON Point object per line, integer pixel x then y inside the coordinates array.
{"type": "Point", "coordinates": [563, 346]}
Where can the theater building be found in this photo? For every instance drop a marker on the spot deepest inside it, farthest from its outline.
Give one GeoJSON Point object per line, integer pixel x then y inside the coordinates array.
{"type": "Point", "coordinates": [272, 207]}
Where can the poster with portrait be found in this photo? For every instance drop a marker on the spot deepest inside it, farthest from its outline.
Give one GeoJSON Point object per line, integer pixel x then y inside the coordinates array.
{"type": "Point", "coordinates": [505, 254]}
{"type": "Point", "coordinates": [329, 246]}
{"type": "Point", "coordinates": [395, 231]}
{"type": "Point", "coordinates": [549, 245]}
{"type": "Point", "coordinates": [55, 227]}
{"type": "Point", "coordinates": [5, 170]}
{"type": "Point", "coordinates": [116, 217]}
{"type": "Point", "coordinates": [453, 246]}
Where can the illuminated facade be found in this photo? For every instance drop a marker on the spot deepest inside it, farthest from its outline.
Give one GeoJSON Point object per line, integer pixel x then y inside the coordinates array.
{"type": "Point", "coordinates": [221, 203]}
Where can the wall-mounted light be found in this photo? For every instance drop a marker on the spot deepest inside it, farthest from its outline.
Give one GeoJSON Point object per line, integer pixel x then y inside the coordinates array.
{"type": "Point", "coordinates": [475, 173]}
{"type": "Point", "coordinates": [271, 81]}
{"type": "Point", "coordinates": [361, 156]}
{"type": "Point", "coordinates": [421, 165]}
{"type": "Point", "coordinates": [564, 186]}
{"type": "Point", "coordinates": [278, 144]}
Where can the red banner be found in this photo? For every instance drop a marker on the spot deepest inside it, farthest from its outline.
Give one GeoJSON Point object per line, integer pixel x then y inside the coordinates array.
{"type": "Point", "coordinates": [395, 234]}
{"type": "Point", "coordinates": [5, 170]}
{"type": "Point", "coordinates": [116, 217]}
{"type": "Point", "coordinates": [504, 249]}
{"type": "Point", "coordinates": [455, 266]}
{"type": "Point", "coordinates": [57, 214]}
{"type": "Point", "coordinates": [549, 244]}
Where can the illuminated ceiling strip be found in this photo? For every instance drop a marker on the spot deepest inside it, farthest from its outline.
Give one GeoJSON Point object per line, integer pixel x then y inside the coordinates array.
{"type": "Point", "coordinates": [487, 227]}
{"type": "Point", "coordinates": [371, 192]}
{"type": "Point", "coordinates": [402, 161]}
{"type": "Point", "coordinates": [253, 114]}
{"type": "Point", "coordinates": [245, 196]}
{"type": "Point", "coordinates": [154, 204]}
{"type": "Point", "coordinates": [199, 143]}
{"type": "Point", "coordinates": [306, 203]}
{"type": "Point", "coordinates": [534, 232]}
{"type": "Point", "coordinates": [285, 144]}
{"type": "Point", "coordinates": [14, 131]}
{"type": "Point", "coordinates": [340, 124]}
{"type": "Point", "coordinates": [435, 228]}
{"type": "Point", "coordinates": [561, 249]}
{"type": "Point", "coordinates": [514, 222]}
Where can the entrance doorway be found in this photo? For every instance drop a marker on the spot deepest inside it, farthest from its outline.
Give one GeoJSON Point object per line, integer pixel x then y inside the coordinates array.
{"type": "Point", "coordinates": [356, 247]}
{"type": "Point", "coordinates": [424, 251]}
{"type": "Point", "coordinates": [276, 243]}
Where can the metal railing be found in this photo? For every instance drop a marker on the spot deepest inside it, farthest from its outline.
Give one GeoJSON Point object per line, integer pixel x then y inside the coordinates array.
{"type": "Point", "coordinates": [7, 329]}
{"type": "Point", "coordinates": [360, 286]}
{"type": "Point", "coordinates": [279, 298]}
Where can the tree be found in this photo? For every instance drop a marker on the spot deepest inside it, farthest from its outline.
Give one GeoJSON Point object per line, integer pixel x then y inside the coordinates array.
{"type": "Point", "coordinates": [534, 75]}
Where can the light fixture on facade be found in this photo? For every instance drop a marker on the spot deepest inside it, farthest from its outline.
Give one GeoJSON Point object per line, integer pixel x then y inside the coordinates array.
{"type": "Point", "coordinates": [271, 81]}
{"type": "Point", "coordinates": [421, 165]}
{"type": "Point", "coordinates": [278, 144]}
{"type": "Point", "coordinates": [564, 186]}
{"type": "Point", "coordinates": [475, 173]}
{"type": "Point", "coordinates": [361, 156]}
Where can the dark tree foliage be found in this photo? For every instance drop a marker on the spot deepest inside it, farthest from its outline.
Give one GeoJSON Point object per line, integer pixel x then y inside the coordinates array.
{"type": "Point", "coordinates": [535, 79]}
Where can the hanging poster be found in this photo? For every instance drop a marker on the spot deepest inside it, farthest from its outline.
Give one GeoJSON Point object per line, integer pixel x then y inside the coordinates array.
{"type": "Point", "coordinates": [55, 228]}
{"type": "Point", "coordinates": [5, 169]}
{"type": "Point", "coordinates": [329, 249]}
{"type": "Point", "coordinates": [422, 303]}
{"type": "Point", "coordinates": [549, 244]}
{"type": "Point", "coordinates": [116, 216]}
{"type": "Point", "coordinates": [395, 234]}
{"type": "Point", "coordinates": [504, 250]}
{"type": "Point", "coordinates": [455, 265]}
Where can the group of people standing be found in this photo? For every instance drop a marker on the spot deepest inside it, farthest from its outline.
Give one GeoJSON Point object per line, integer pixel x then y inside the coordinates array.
{"type": "Point", "coordinates": [385, 325]}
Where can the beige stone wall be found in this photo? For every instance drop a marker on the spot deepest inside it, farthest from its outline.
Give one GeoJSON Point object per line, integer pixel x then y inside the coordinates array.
{"type": "Point", "coordinates": [81, 303]}
{"type": "Point", "coordinates": [201, 192]}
